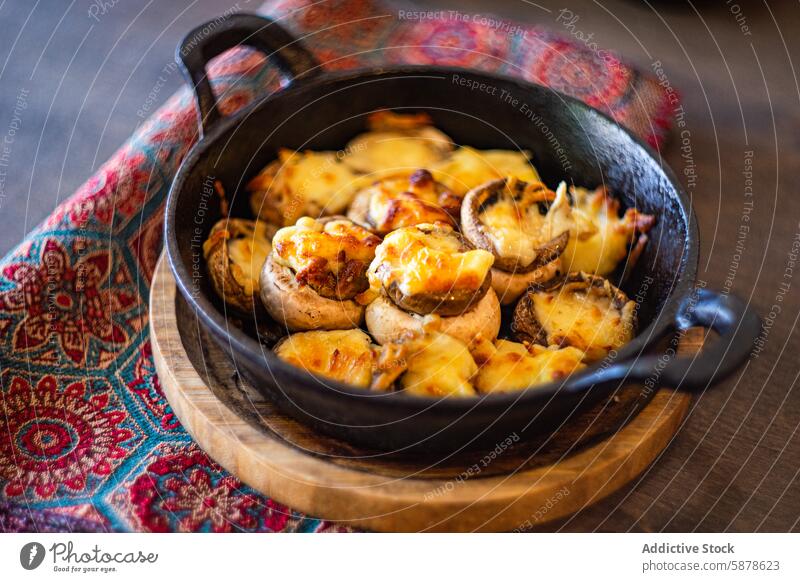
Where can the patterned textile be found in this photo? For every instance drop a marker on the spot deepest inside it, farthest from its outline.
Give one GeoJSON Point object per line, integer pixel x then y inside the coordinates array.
{"type": "Point", "coordinates": [88, 442]}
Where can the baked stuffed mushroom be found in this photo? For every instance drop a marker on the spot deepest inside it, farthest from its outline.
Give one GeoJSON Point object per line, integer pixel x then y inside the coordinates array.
{"type": "Point", "coordinates": [441, 365]}
{"type": "Point", "coordinates": [467, 168]}
{"type": "Point", "coordinates": [314, 272]}
{"type": "Point", "coordinates": [397, 143]}
{"type": "Point", "coordinates": [602, 238]}
{"type": "Point", "coordinates": [430, 271]}
{"type": "Point", "coordinates": [579, 310]}
{"type": "Point", "coordinates": [302, 184]}
{"type": "Point", "coordinates": [344, 355]}
{"type": "Point", "coordinates": [510, 366]}
{"type": "Point", "coordinates": [438, 365]}
{"type": "Point", "coordinates": [235, 252]}
{"type": "Point", "coordinates": [404, 200]}
{"type": "Point", "coordinates": [525, 225]}
{"type": "Point", "coordinates": [427, 364]}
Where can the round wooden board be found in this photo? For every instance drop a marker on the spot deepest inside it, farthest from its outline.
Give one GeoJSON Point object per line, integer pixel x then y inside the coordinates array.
{"type": "Point", "coordinates": [523, 485]}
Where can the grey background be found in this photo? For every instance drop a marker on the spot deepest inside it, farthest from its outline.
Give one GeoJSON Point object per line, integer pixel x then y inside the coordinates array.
{"type": "Point", "coordinates": [87, 78]}
{"type": "Point", "coordinates": [734, 465]}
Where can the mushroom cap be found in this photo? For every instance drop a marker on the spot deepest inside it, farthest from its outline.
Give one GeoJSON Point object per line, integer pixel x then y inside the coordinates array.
{"type": "Point", "coordinates": [510, 286]}
{"type": "Point", "coordinates": [448, 299]}
{"type": "Point", "coordinates": [299, 307]}
{"type": "Point", "coordinates": [388, 323]}
{"type": "Point", "coordinates": [605, 325]}
{"type": "Point", "coordinates": [233, 282]}
{"type": "Point", "coordinates": [518, 192]}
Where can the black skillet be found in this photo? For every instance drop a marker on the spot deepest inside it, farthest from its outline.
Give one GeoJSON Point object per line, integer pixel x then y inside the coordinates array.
{"type": "Point", "coordinates": [569, 140]}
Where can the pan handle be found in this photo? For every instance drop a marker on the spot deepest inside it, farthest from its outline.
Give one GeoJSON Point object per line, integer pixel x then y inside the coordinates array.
{"type": "Point", "coordinates": [216, 36]}
{"type": "Point", "coordinates": [738, 327]}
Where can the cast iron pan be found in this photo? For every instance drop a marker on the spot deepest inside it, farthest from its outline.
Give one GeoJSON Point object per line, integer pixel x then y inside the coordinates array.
{"type": "Point", "coordinates": [569, 140]}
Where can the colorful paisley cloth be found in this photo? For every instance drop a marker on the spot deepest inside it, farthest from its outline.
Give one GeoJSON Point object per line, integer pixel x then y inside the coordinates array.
{"type": "Point", "coordinates": [88, 441]}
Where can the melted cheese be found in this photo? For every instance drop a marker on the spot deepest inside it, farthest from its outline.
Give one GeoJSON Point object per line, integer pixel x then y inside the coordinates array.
{"type": "Point", "coordinates": [346, 356]}
{"type": "Point", "coordinates": [440, 365]}
{"type": "Point", "coordinates": [311, 244]}
{"type": "Point", "coordinates": [247, 256]}
{"type": "Point", "coordinates": [247, 250]}
{"type": "Point", "coordinates": [556, 363]}
{"type": "Point", "coordinates": [401, 201]}
{"type": "Point", "coordinates": [468, 168]}
{"type": "Point", "coordinates": [517, 229]}
{"type": "Point", "coordinates": [512, 367]}
{"type": "Point", "coordinates": [385, 152]}
{"type": "Point", "coordinates": [605, 238]}
{"type": "Point", "coordinates": [389, 213]}
{"type": "Point", "coordinates": [589, 322]}
{"type": "Point", "coordinates": [422, 262]}
{"type": "Point", "coordinates": [304, 183]}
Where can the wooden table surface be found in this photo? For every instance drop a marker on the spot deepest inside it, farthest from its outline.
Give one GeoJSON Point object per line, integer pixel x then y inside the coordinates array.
{"type": "Point", "coordinates": [734, 464]}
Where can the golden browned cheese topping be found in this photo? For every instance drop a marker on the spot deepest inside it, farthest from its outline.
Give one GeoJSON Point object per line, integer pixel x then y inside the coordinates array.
{"type": "Point", "coordinates": [603, 237]}
{"type": "Point", "coordinates": [299, 183]}
{"type": "Point", "coordinates": [247, 249]}
{"type": "Point", "coordinates": [439, 365]}
{"type": "Point", "coordinates": [331, 258]}
{"type": "Point", "coordinates": [517, 225]}
{"type": "Point", "coordinates": [468, 168]}
{"type": "Point", "coordinates": [347, 356]}
{"type": "Point", "coordinates": [247, 257]}
{"type": "Point", "coordinates": [586, 320]}
{"type": "Point", "coordinates": [408, 200]}
{"type": "Point", "coordinates": [428, 259]}
{"type": "Point", "coordinates": [513, 367]}
{"type": "Point", "coordinates": [397, 143]}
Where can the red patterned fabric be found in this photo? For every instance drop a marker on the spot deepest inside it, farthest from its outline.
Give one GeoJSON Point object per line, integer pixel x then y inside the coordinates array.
{"type": "Point", "coordinates": [88, 441]}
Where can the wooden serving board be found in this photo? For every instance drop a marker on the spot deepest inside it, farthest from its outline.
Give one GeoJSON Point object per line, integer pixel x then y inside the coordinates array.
{"type": "Point", "coordinates": [526, 484]}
